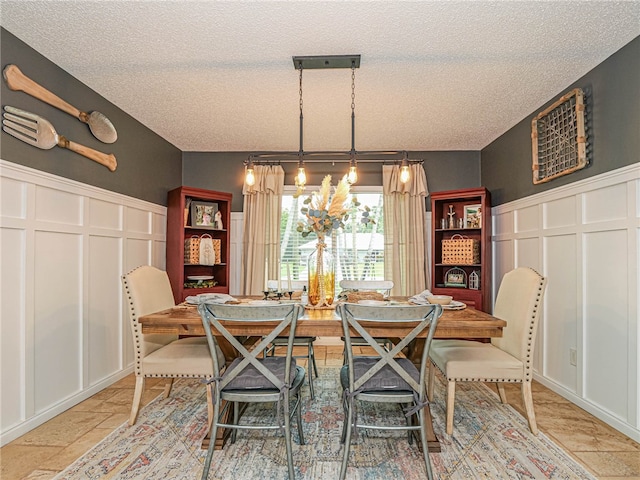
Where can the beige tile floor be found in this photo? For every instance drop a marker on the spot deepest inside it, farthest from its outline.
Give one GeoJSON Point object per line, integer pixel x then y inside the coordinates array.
{"type": "Point", "coordinates": [48, 449]}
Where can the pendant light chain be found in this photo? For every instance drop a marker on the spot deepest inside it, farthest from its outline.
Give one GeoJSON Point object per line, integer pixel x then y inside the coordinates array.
{"type": "Point", "coordinates": [301, 176]}
{"type": "Point", "coordinates": [353, 173]}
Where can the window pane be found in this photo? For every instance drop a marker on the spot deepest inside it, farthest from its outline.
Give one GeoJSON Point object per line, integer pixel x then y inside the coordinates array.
{"type": "Point", "coordinates": [358, 248]}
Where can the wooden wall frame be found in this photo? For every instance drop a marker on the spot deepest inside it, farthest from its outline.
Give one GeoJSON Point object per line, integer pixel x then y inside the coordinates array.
{"type": "Point", "coordinates": [558, 138]}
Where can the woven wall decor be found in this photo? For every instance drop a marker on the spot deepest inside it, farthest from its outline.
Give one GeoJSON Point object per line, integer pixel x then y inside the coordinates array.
{"type": "Point", "coordinates": [558, 138]}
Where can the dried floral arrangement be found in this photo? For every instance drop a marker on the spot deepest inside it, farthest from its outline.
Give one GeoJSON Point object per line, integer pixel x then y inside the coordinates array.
{"type": "Point", "coordinates": [326, 213]}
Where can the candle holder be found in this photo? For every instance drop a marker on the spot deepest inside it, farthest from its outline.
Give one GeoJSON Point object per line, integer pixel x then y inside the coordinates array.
{"type": "Point", "coordinates": [290, 293]}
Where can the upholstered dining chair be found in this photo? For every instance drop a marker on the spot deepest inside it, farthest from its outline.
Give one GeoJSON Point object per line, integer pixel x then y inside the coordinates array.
{"type": "Point", "coordinates": [306, 342]}
{"type": "Point", "coordinates": [147, 290]}
{"type": "Point", "coordinates": [506, 359]}
{"type": "Point", "coordinates": [387, 377]}
{"type": "Point", "coordinates": [251, 377]}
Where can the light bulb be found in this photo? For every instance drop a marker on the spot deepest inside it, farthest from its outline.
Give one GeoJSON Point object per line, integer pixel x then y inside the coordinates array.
{"type": "Point", "coordinates": [249, 177]}
{"type": "Point", "coordinates": [352, 177]}
{"type": "Point", "coordinates": [301, 178]}
{"type": "Point", "coordinates": [404, 173]}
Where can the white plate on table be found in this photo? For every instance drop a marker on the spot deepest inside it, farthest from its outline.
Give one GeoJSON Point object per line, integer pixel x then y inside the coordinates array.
{"type": "Point", "coordinates": [454, 305]}
{"type": "Point", "coordinates": [372, 303]}
{"type": "Point", "coordinates": [200, 278]}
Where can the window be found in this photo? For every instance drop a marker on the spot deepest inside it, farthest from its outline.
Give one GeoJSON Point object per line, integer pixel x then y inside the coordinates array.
{"type": "Point", "coordinates": [359, 249]}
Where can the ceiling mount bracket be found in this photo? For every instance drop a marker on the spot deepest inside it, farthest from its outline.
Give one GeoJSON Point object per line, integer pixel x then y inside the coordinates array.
{"type": "Point", "coordinates": [326, 61]}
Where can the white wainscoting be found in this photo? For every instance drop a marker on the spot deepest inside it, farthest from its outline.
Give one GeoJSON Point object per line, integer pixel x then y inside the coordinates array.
{"type": "Point", "coordinates": [64, 334]}
{"type": "Point", "coordinates": [584, 238]}
{"type": "Point", "coordinates": [235, 237]}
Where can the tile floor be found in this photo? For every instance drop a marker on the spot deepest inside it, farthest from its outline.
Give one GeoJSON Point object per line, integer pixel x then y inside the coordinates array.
{"type": "Point", "coordinates": [48, 449]}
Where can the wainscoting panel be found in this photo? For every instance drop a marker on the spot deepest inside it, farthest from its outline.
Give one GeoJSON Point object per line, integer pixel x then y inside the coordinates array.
{"type": "Point", "coordinates": [64, 332]}
{"type": "Point", "coordinates": [586, 243]}
{"type": "Point", "coordinates": [104, 330]}
{"type": "Point", "coordinates": [237, 229]}
{"type": "Point", "coordinates": [559, 334]}
{"type": "Point", "coordinates": [606, 320]}
{"type": "Point", "coordinates": [57, 319]}
{"type": "Point", "coordinates": [12, 322]}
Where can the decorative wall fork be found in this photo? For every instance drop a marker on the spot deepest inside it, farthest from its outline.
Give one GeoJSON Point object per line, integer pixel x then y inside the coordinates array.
{"type": "Point", "coordinates": [39, 132]}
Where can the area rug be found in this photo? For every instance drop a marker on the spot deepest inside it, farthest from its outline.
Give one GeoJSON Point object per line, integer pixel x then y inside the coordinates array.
{"type": "Point", "coordinates": [490, 441]}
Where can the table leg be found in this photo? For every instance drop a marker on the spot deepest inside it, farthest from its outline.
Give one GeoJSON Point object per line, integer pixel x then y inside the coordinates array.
{"type": "Point", "coordinates": [222, 434]}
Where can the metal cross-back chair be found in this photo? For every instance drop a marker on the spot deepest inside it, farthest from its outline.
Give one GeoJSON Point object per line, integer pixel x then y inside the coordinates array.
{"type": "Point", "coordinates": [250, 378]}
{"type": "Point", "coordinates": [312, 368]}
{"type": "Point", "coordinates": [387, 377]}
{"type": "Point", "coordinates": [382, 287]}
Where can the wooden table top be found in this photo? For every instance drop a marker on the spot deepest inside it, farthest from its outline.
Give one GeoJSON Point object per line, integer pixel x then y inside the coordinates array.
{"type": "Point", "coordinates": [185, 320]}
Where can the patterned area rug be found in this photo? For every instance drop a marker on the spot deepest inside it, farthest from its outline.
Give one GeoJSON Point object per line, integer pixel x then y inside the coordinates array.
{"type": "Point", "coordinates": [490, 441]}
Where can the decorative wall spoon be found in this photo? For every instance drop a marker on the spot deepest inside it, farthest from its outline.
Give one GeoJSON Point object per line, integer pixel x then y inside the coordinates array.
{"type": "Point", "coordinates": [100, 126]}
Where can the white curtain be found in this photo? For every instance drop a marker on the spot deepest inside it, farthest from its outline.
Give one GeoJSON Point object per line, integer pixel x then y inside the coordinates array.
{"type": "Point", "coordinates": [261, 240]}
{"type": "Point", "coordinates": [405, 232]}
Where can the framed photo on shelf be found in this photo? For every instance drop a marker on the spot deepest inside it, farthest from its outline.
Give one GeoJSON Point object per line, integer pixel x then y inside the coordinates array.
{"type": "Point", "coordinates": [455, 277]}
{"type": "Point", "coordinates": [203, 213]}
{"type": "Point", "coordinates": [473, 216]}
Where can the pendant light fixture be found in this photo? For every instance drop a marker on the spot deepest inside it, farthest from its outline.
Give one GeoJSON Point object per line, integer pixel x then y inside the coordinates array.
{"type": "Point", "coordinates": [352, 177]}
{"type": "Point", "coordinates": [301, 176]}
{"type": "Point", "coordinates": [405, 173]}
{"type": "Point", "coordinates": [352, 156]}
{"type": "Point", "coordinates": [249, 175]}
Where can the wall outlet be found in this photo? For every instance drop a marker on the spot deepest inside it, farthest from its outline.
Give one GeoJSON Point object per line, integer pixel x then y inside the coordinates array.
{"type": "Point", "coordinates": [573, 357]}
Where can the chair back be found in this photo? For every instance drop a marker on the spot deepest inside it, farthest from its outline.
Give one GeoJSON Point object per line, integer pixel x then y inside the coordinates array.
{"type": "Point", "coordinates": [519, 302]}
{"type": "Point", "coordinates": [147, 290]}
{"type": "Point", "coordinates": [362, 321]}
{"type": "Point", "coordinates": [217, 317]}
{"type": "Point", "coordinates": [295, 284]}
{"type": "Point", "coordinates": [379, 285]}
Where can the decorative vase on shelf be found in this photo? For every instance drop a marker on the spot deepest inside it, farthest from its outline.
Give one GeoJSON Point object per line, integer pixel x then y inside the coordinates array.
{"type": "Point", "coordinates": [322, 274]}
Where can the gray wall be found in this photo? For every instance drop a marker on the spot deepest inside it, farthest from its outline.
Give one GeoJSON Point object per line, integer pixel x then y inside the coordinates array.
{"type": "Point", "coordinates": [614, 105]}
{"type": "Point", "coordinates": [225, 171]}
{"type": "Point", "coordinates": [148, 165]}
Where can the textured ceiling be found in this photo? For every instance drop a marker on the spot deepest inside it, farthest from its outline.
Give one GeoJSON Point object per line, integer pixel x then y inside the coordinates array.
{"type": "Point", "coordinates": [218, 76]}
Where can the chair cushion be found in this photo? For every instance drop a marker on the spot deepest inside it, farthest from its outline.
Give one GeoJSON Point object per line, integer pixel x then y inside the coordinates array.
{"type": "Point", "coordinates": [464, 360]}
{"type": "Point", "coordinates": [184, 357]}
{"type": "Point", "coordinates": [384, 380]}
{"type": "Point", "coordinates": [251, 378]}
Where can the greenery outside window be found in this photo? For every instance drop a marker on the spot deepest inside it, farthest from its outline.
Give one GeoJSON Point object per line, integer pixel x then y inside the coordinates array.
{"type": "Point", "coordinates": [358, 248]}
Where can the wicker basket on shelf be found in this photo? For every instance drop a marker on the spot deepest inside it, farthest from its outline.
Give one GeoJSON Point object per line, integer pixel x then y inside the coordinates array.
{"type": "Point", "coordinates": [460, 250]}
{"type": "Point", "coordinates": [192, 250]}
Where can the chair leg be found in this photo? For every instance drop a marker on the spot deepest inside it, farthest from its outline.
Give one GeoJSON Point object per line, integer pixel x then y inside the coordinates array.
{"type": "Point", "coordinates": [451, 398]}
{"type": "Point", "coordinates": [313, 359]}
{"type": "Point", "coordinates": [432, 377]}
{"type": "Point", "coordinates": [346, 436]}
{"type": "Point", "coordinates": [501, 392]}
{"type": "Point", "coordinates": [425, 444]}
{"type": "Point", "coordinates": [213, 429]}
{"type": "Point", "coordinates": [299, 418]}
{"type": "Point", "coordinates": [137, 396]}
{"type": "Point", "coordinates": [287, 436]}
{"type": "Point", "coordinates": [236, 419]}
{"type": "Point", "coordinates": [527, 398]}
{"type": "Point", "coordinates": [210, 417]}
{"type": "Point", "coordinates": [311, 365]}
{"type": "Point", "coordinates": [167, 388]}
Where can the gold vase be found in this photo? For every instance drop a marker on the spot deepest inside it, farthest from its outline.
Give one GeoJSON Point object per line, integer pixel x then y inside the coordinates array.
{"type": "Point", "coordinates": [322, 275]}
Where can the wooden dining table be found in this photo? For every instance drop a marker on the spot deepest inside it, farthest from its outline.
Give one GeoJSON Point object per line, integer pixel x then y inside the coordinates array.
{"type": "Point", "coordinates": [466, 323]}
